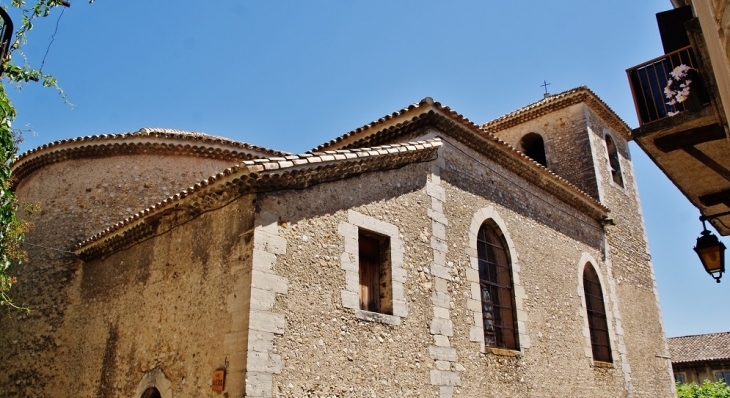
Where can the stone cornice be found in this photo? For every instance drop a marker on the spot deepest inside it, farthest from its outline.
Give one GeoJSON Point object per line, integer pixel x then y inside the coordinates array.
{"type": "Point", "coordinates": [560, 101]}
{"type": "Point", "coordinates": [259, 175]}
{"type": "Point", "coordinates": [145, 141]}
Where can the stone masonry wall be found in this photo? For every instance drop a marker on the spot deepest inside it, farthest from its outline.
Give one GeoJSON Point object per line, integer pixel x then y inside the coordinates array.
{"type": "Point", "coordinates": [76, 200]}
{"type": "Point", "coordinates": [628, 255]}
{"type": "Point", "coordinates": [327, 349]}
{"type": "Point", "coordinates": [566, 145]}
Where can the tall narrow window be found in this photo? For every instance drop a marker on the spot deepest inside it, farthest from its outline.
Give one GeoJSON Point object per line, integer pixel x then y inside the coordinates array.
{"type": "Point", "coordinates": [376, 292]}
{"type": "Point", "coordinates": [613, 161]}
{"type": "Point", "coordinates": [533, 146]}
{"type": "Point", "coordinates": [596, 309]}
{"type": "Point", "coordinates": [495, 282]}
{"type": "Point", "coordinates": [151, 393]}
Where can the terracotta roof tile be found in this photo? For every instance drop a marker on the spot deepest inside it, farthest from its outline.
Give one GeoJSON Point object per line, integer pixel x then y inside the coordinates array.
{"type": "Point", "coordinates": [252, 176]}
{"type": "Point", "coordinates": [559, 101]}
{"type": "Point", "coordinates": [145, 140]}
{"type": "Point", "coordinates": [700, 348]}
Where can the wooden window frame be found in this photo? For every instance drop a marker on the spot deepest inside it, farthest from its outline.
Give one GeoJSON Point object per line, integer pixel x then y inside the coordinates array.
{"type": "Point", "coordinates": [499, 315]}
{"type": "Point", "coordinates": [375, 273]}
{"type": "Point", "coordinates": [596, 313]}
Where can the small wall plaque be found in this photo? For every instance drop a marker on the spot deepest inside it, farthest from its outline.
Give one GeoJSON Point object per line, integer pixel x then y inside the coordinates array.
{"type": "Point", "coordinates": [219, 380]}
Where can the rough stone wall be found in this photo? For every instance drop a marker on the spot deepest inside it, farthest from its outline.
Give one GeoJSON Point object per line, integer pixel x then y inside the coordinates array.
{"type": "Point", "coordinates": [628, 255]}
{"type": "Point", "coordinates": [161, 304]}
{"type": "Point", "coordinates": [326, 349]}
{"type": "Point", "coordinates": [76, 199]}
{"type": "Point", "coordinates": [549, 241]}
{"type": "Point", "coordinates": [721, 13]}
{"type": "Point", "coordinates": [566, 145]}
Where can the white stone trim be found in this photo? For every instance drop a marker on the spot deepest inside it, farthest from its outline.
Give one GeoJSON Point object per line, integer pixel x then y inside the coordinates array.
{"type": "Point", "coordinates": [350, 260]}
{"type": "Point", "coordinates": [154, 378]}
{"type": "Point", "coordinates": [476, 333]}
{"type": "Point", "coordinates": [585, 259]}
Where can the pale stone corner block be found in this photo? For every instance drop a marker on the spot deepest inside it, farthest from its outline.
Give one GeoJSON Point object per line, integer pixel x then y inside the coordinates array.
{"type": "Point", "coordinates": [267, 281]}
{"type": "Point", "coordinates": [261, 341]}
{"type": "Point", "coordinates": [439, 244]}
{"type": "Point", "coordinates": [436, 191]}
{"type": "Point", "coordinates": [446, 391]}
{"type": "Point", "coordinates": [442, 353]}
{"type": "Point", "coordinates": [441, 340]}
{"type": "Point", "coordinates": [270, 243]}
{"type": "Point", "coordinates": [478, 320]}
{"type": "Point", "coordinates": [444, 378]}
{"type": "Point", "coordinates": [442, 326]}
{"type": "Point", "coordinates": [398, 291]}
{"type": "Point", "coordinates": [267, 221]}
{"type": "Point", "coordinates": [400, 308]}
{"type": "Point", "coordinates": [439, 230]}
{"type": "Point", "coordinates": [440, 299]}
{"type": "Point", "coordinates": [441, 272]}
{"type": "Point", "coordinates": [439, 257]}
{"type": "Point", "coordinates": [439, 312]}
{"type": "Point", "coordinates": [437, 205]}
{"type": "Point", "coordinates": [351, 247]}
{"type": "Point", "coordinates": [476, 334]}
{"type": "Point", "coordinates": [347, 230]}
{"type": "Point", "coordinates": [352, 281]}
{"type": "Point", "coordinates": [350, 299]}
{"type": "Point", "coordinates": [263, 362]}
{"type": "Point", "coordinates": [472, 275]}
{"type": "Point", "coordinates": [440, 284]}
{"type": "Point", "coordinates": [525, 340]}
{"type": "Point", "coordinates": [476, 291]}
{"type": "Point", "coordinates": [438, 217]}
{"type": "Point", "coordinates": [473, 261]}
{"type": "Point", "coordinates": [259, 384]}
{"type": "Point", "coordinates": [263, 260]}
{"type": "Point", "coordinates": [399, 274]}
{"type": "Point", "coordinates": [443, 365]}
{"type": "Point", "coordinates": [262, 299]}
{"type": "Point", "coordinates": [267, 322]}
{"type": "Point", "coordinates": [474, 305]}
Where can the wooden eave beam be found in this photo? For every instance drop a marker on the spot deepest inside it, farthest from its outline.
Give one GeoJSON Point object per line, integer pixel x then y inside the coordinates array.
{"type": "Point", "coordinates": [690, 138]}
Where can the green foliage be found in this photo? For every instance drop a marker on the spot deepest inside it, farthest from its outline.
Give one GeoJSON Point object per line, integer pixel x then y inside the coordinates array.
{"type": "Point", "coordinates": [12, 228]}
{"type": "Point", "coordinates": [706, 390]}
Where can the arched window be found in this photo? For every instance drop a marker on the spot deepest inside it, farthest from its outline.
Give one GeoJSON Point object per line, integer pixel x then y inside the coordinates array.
{"type": "Point", "coordinates": [613, 161]}
{"type": "Point", "coordinates": [596, 309]}
{"type": "Point", "coordinates": [151, 393]}
{"type": "Point", "coordinates": [495, 282]}
{"type": "Point", "coordinates": [533, 146]}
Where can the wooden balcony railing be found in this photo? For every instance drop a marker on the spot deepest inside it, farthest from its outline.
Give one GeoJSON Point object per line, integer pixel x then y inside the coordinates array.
{"type": "Point", "coordinates": [649, 79]}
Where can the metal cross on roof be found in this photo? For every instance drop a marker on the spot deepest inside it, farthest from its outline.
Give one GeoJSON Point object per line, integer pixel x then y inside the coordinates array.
{"type": "Point", "coordinates": [545, 84]}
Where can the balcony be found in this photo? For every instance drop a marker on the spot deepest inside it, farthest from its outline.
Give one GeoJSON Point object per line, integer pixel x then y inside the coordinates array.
{"type": "Point", "coordinates": [682, 130]}
{"type": "Point", "coordinates": [649, 80]}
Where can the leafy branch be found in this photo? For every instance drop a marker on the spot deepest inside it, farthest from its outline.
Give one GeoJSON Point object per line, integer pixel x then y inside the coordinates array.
{"type": "Point", "coordinates": [12, 227]}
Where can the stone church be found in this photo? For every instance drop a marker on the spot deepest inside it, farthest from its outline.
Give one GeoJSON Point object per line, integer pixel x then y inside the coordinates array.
{"type": "Point", "coordinates": [419, 255]}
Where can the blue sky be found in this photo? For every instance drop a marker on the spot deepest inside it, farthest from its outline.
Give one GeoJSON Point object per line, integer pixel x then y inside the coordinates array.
{"type": "Point", "coordinates": [293, 74]}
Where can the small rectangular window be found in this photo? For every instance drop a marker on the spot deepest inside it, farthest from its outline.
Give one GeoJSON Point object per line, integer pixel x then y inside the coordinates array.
{"type": "Point", "coordinates": [376, 292]}
{"type": "Point", "coordinates": [723, 376]}
{"type": "Point", "coordinates": [680, 378]}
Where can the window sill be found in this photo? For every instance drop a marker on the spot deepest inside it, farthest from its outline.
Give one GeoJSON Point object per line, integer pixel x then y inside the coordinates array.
{"type": "Point", "coordinates": [601, 364]}
{"type": "Point", "coordinates": [503, 352]}
{"type": "Point", "coordinates": [377, 317]}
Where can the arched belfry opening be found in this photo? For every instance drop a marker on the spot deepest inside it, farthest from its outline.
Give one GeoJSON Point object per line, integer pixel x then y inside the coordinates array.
{"type": "Point", "coordinates": [614, 162]}
{"type": "Point", "coordinates": [151, 392]}
{"type": "Point", "coordinates": [533, 146]}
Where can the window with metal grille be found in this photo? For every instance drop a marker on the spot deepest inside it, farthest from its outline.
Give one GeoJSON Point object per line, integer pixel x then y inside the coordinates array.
{"type": "Point", "coordinates": [613, 161]}
{"type": "Point", "coordinates": [495, 282]}
{"type": "Point", "coordinates": [596, 309]}
{"type": "Point", "coordinates": [376, 291]}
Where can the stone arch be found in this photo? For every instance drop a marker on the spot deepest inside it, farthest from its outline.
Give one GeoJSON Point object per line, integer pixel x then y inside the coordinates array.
{"type": "Point", "coordinates": [614, 159]}
{"type": "Point", "coordinates": [154, 381]}
{"type": "Point", "coordinates": [584, 261]}
{"type": "Point", "coordinates": [490, 216]}
{"type": "Point", "coordinates": [532, 144]}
